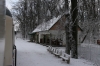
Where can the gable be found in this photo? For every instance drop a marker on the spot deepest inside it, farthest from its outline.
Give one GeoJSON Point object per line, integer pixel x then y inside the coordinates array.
{"type": "Point", "coordinates": [59, 25]}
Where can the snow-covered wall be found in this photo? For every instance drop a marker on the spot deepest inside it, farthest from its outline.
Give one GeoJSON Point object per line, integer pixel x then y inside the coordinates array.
{"type": "Point", "coordinates": [90, 52]}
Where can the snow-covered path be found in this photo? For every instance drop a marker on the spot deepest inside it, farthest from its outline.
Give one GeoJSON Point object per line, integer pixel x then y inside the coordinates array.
{"type": "Point", "coordinates": [32, 54]}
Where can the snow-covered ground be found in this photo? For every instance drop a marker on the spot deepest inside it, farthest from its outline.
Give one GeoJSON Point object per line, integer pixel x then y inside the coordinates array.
{"type": "Point", "coordinates": [32, 54]}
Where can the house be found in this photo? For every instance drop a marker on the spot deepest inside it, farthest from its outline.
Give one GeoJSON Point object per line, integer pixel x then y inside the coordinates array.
{"type": "Point", "coordinates": [51, 31]}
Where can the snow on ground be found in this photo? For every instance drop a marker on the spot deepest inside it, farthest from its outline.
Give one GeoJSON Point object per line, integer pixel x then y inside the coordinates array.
{"type": "Point", "coordinates": [32, 54]}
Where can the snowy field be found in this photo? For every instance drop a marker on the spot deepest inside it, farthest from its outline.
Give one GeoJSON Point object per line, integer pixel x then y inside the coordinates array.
{"type": "Point", "coordinates": [32, 54]}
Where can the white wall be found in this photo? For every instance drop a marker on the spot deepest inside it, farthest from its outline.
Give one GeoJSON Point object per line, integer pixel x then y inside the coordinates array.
{"type": "Point", "coordinates": [64, 39]}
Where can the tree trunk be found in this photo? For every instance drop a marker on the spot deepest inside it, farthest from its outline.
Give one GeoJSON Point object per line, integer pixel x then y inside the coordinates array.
{"type": "Point", "coordinates": [74, 12]}
{"type": "Point", "coordinates": [67, 50]}
{"type": "Point", "coordinates": [67, 41]}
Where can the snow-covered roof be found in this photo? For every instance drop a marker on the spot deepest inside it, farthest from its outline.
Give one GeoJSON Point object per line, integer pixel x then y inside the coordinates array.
{"type": "Point", "coordinates": [46, 25]}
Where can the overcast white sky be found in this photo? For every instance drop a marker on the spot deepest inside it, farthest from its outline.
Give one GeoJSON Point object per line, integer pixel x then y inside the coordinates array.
{"type": "Point", "coordinates": [9, 3]}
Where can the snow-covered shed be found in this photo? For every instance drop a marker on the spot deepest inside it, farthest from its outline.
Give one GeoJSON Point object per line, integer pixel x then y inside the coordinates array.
{"type": "Point", "coordinates": [52, 29]}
